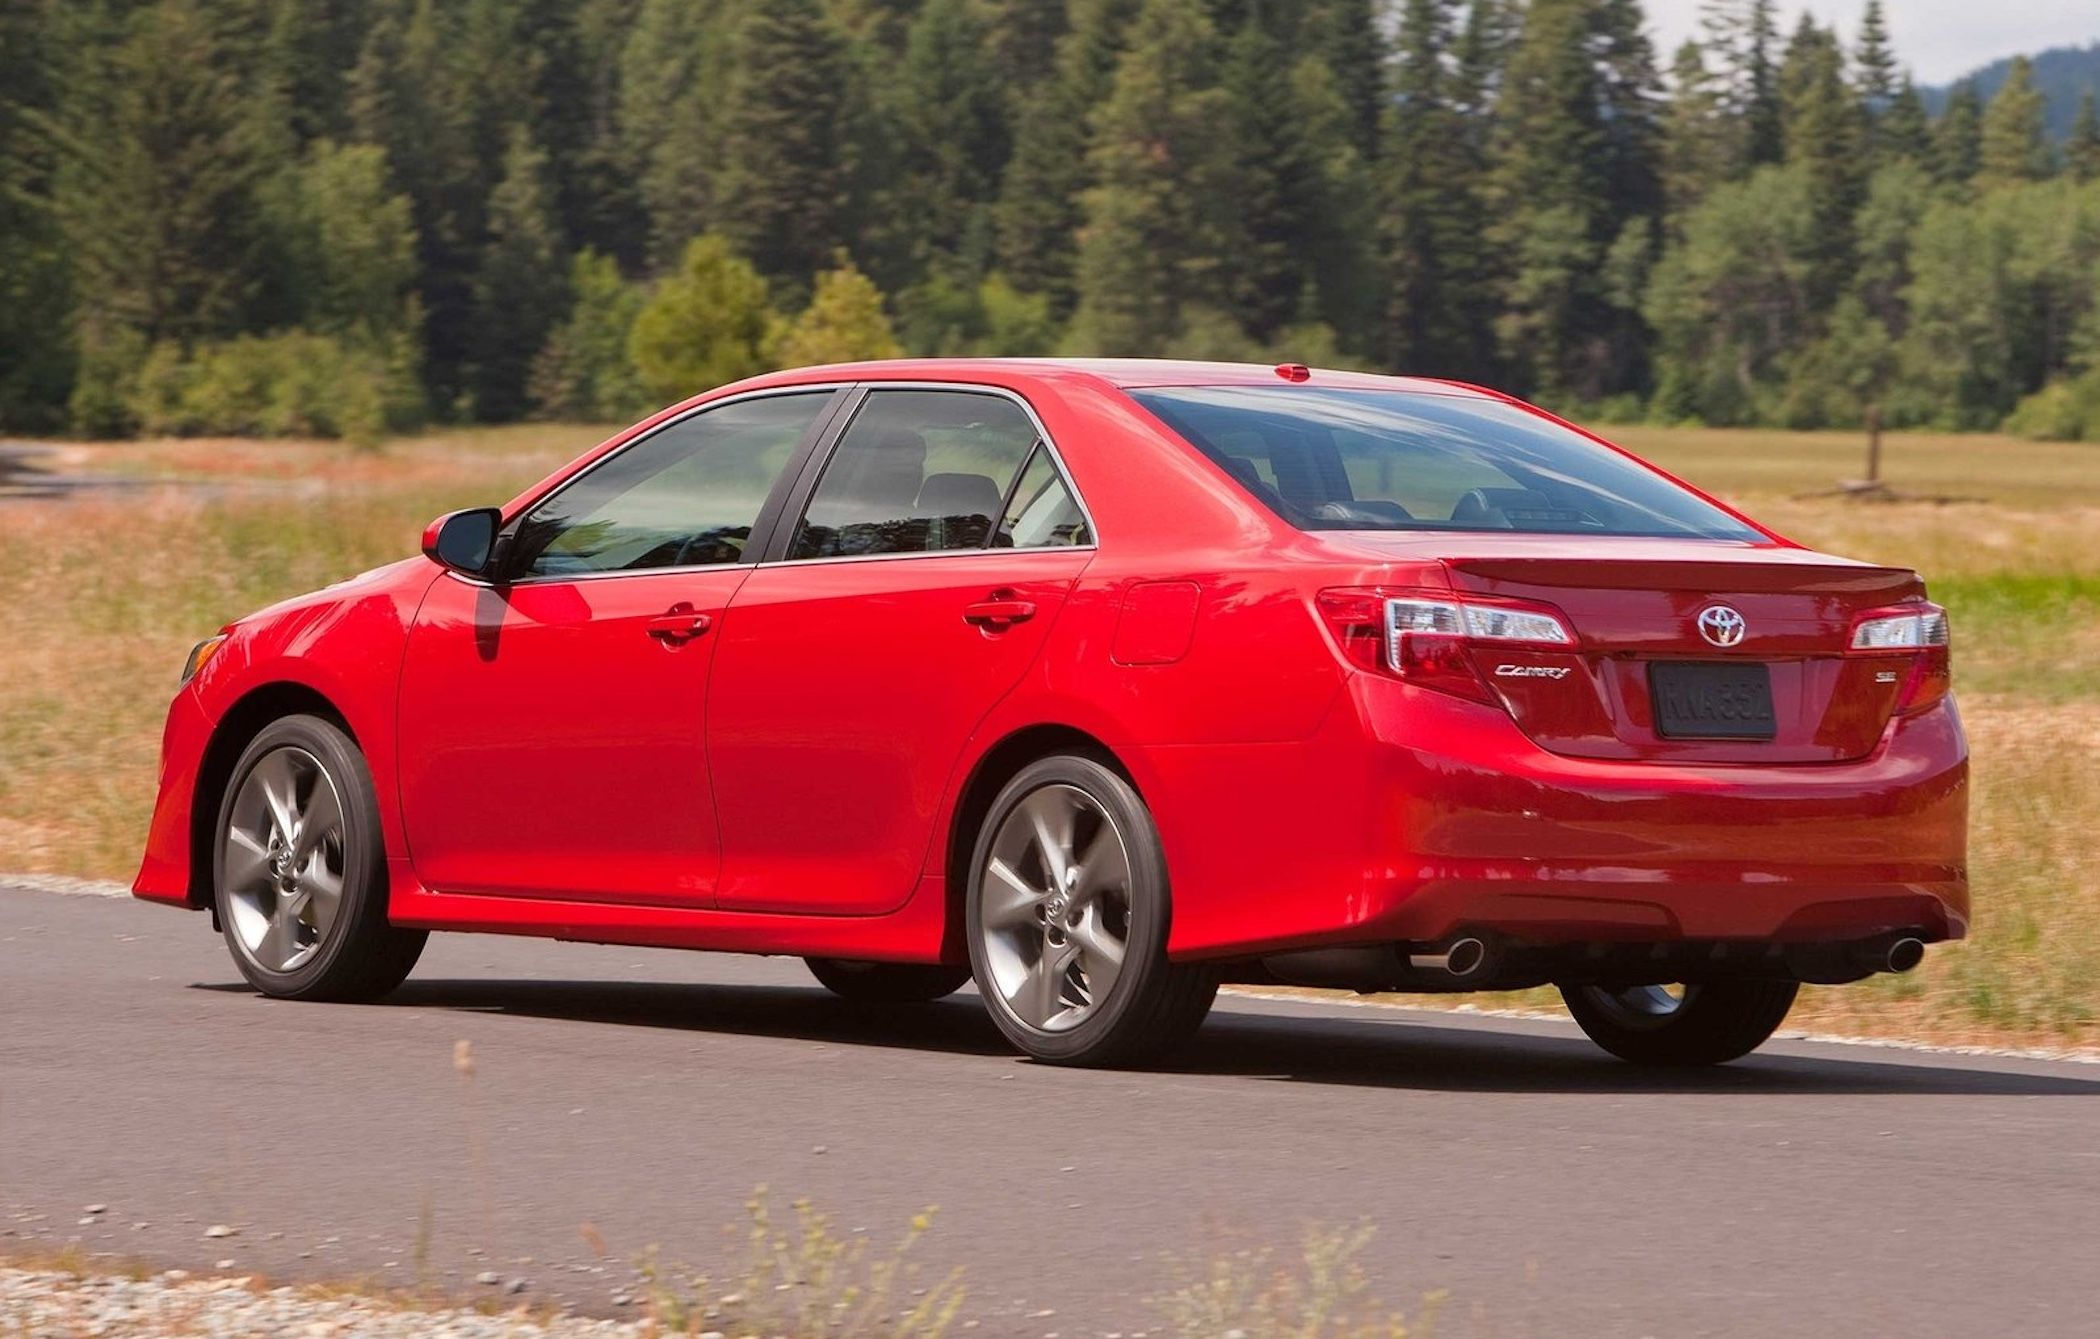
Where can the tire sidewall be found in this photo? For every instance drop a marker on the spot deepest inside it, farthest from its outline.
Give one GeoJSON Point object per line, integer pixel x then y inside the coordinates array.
{"type": "Point", "coordinates": [364, 852]}
{"type": "Point", "coordinates": [1144, 950]}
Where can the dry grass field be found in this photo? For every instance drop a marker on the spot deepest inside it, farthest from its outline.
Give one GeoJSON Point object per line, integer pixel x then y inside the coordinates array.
{"type": "Point", "coordinates": [102, 593]}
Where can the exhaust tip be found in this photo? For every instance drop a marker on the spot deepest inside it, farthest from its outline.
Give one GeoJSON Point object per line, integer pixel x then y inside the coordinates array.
{"type": "Point", "coordinates": [1465, 956]}
{"type": "Point", "coordinates": [1905, 954]}
{"type": "Point", "coordinates": [1462, 957]}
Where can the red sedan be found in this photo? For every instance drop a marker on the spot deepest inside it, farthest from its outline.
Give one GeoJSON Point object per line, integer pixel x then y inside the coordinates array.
{"type": "Point", "coordinates": [1103, 683]}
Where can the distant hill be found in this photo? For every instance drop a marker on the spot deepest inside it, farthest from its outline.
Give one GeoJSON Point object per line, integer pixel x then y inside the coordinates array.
{"type": "Point", "coordinates": [2062, 73]}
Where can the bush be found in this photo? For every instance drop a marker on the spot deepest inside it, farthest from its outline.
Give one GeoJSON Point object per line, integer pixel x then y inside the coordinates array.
{"type": "Point", "coordinates": [706, 325]}
{"type": "Point", "coordinates": [2062, 411]}
{"type": "Point", "coordinates": [584, 373]}
{"type": "Point", "coordinates": [292, 384]}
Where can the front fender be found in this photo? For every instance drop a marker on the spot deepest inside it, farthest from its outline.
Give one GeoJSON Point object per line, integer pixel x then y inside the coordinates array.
{"type": "Point", "coordinates": [340, 649]}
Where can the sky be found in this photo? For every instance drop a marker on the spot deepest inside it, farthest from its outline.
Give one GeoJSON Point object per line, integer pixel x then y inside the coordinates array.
{"type": "Point", "coordinates": [1940, 40]}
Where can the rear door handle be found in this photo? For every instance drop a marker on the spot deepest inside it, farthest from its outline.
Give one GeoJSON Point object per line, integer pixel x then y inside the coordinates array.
{"type": "Point", "coordinates": [678, 625]}
{"type": "Point", "coordinates": [997, 614]}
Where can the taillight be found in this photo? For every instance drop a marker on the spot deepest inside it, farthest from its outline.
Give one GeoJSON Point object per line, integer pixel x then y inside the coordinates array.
{"type": "Point", "coordinates": [1918, 633]}
{"type": "Point", "coordinates": [1424, 637]}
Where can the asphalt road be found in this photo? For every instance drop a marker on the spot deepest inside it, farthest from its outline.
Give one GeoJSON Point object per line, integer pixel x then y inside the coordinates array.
{"type": "Point", "coordinates": [1812, 1190]}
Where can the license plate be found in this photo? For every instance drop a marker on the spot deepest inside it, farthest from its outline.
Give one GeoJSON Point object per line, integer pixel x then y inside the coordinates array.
{"type": "Point", "coordinates": [1711, 701]}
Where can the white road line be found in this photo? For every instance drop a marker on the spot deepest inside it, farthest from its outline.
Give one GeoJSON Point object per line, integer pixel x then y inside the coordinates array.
{"type": "Point", "coordinates": [66, 884]}
{"type": "Point", "coordinates": [2077, 1055]}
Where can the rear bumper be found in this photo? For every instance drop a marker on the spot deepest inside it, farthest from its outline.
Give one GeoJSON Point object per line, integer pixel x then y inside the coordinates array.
{"type": "Point", "coordinates": [1428, 816]}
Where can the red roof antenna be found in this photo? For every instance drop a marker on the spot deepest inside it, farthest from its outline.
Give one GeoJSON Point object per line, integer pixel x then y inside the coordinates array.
{"type": "Point", "coordinates": [1294, 371]}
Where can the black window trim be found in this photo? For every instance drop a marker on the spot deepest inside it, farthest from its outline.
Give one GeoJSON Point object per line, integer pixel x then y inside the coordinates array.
{"type": "Point", "coordinates": [812, 472]}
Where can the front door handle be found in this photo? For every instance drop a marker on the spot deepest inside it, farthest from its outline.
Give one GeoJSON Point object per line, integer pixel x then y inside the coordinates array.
{"type": "Point", "coordinates": [678, 625]}
{"type": "Point", "coordinates": [998, 614]}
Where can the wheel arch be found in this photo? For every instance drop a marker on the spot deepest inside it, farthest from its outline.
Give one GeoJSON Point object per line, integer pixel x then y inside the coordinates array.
{"type": "Point", "coordinates": [241, 723]}
{"type": "Point", "coordinates": [995, 767]}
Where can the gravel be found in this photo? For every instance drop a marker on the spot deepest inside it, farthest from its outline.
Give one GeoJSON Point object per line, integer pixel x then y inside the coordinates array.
{"type": "Point", "coordinates": [58, 1304]}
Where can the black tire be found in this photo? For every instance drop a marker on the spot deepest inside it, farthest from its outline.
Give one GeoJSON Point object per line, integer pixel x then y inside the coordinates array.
{"type": "Point", "coordinates": [1152, 1004]}
{"type": "Point", "coordinates": [887, 982]}
{"type": "Point", "coordinates": [358, 956]}
{"type": "Point", "coordinates": [1711, 1025]}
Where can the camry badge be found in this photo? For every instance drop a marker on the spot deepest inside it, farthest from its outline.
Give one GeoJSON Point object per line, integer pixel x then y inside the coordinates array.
{"type": "Point", "coordinates": [1531, 671]}
{"type": "Point", "coordinates": [1721, 625]}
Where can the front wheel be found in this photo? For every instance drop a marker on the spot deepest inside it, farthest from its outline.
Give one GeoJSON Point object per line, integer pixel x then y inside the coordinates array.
{"type": "Point", "coordinates": [1706, 1024]}
{"type": "Point", "coordinates": [300, 869]}
{"type": "Point", "coordinates": [887, 982]}
{"type": "Point", "coordinates": [1067, 921]}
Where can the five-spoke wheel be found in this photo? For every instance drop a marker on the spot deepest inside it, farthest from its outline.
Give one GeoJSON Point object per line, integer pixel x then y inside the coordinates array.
{"type": "Point", "coordinates": [1068, 911]}
{"type": "Point", "coordinates": [283, 879]}
{"type": "Point", "coordinates": [301, 869]}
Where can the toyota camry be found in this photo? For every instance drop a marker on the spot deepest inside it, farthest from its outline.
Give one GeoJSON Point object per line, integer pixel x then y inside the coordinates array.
{"type": "Point", "coordinates": [1099, 684]}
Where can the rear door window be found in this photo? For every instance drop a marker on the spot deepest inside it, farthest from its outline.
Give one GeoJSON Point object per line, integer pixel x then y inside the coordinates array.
{"type": "Point", "coordinates": [917, 471]}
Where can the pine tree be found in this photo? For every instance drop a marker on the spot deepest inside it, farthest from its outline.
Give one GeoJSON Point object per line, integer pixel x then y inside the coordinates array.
{"type": "Point", "coordinates": [1741, 35]}
{"type": "Point", "coordinates": [1552, 185]}
{"type": "Point", "coordinates": [155, 192]}
{"type": "Point", "coordinates": [37, 367]}
{"type": "Point", "coordinates": [1876, 61]}
{"type": "Point", "coordinates": [782, 195]}
{"type": "Point", "coordinates": [519, 289]}
{"type": "Point", "coordinates": [1957, 138]}
{"type": "Point", "coordinates": [1697, 135]}
{"type": "Point", "coordinates": [1042, 195]}
{"type": "Point", "coordinates": [1904, 132]}
{"type": "Point", "coordinates": [844, 323]}
{"type": "Point", "coordinates": [951, 116]}
{"type": "Point", "coordinates": [2015, 139]}
{"type": "Point", "coordinates": [1576, 181]}
{"type": "Point", "coordinates": [1153, 242]}
{"type": "Point", "coordinates": [1437, 318]}
{"type": "Point", "coordinates": [1344, 36]}
{"type": "Point", "coordinates": [2082, 149]}
{"type": "Point", "coordinates": [1823, 130]}
{"type": "Point", "coordinates": [1276, 196]}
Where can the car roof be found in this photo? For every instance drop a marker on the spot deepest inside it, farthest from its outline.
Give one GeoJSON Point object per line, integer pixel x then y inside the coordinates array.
{"type": "Point", "coordinates": [1121, 373]}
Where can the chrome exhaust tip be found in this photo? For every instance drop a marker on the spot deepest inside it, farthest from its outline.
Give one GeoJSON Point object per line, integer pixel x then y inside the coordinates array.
{"type": "Point", "coordinates": [1461, 958]}
{"type": "Point", "coordinates": [1904, 954]}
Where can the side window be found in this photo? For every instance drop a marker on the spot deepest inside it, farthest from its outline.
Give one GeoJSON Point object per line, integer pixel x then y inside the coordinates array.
{"type": "Point", "coordinates": [685, 496]}
{"type": "Point", "coordinates": [917, 472]}
{"type": "Point", "coordinates": [1042, 513]}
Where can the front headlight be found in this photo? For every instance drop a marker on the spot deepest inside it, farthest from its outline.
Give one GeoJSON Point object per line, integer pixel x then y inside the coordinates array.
{"type": "Point", "coordinates": [200, 653]}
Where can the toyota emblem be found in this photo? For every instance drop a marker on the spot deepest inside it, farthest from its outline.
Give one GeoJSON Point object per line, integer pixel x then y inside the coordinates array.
{"type": "Point", "coordinates": [1721, 625]}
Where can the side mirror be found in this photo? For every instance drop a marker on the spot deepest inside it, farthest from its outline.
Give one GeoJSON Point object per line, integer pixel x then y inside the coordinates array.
{"type": "Point", "coordinates": [463, 540]}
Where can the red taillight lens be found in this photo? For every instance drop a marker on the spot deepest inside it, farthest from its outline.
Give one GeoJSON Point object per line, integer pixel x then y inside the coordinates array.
{"type": "Point", "coordinates": [1426, 637]}
{"type": "Point", "coordinates": [1917, 633]}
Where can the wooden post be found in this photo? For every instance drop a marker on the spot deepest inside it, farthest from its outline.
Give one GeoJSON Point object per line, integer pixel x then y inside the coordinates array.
{"type": "Point", "coordinates": [1873, 444]}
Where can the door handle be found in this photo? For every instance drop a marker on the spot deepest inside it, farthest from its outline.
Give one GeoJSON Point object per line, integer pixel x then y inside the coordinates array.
{"type": "Point", "coordinates": [678, 625]}
{"type": "Point", "coordinates": [998, 614]}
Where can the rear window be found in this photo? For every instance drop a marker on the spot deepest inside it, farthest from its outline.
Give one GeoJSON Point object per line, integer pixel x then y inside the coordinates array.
{"type": "Point", "coordinates": [1399, 460]}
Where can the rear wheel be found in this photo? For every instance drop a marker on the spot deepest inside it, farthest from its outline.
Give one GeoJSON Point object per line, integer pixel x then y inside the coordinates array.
{"type": "Point", "coordinates": [887, 982]}
{"type": "Point", "coordinates": [1707, 1024]}
{"type": "Point", "coordinates": [1067, 921]}
{"type": "Point", "coordinates": [300, 869]}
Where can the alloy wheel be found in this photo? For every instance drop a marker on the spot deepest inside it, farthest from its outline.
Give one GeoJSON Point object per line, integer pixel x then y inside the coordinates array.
{"type": "Point", "coordinates": [1641, 1008]}
{"type": "Point", "coordinates": [284, 859]}
{"type": "Point", "coordinates": [1054, 915]}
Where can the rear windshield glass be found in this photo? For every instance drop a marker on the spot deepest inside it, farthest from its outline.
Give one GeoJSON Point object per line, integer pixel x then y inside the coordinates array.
{"type": "Point", "coordinates": [1400, 460]}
